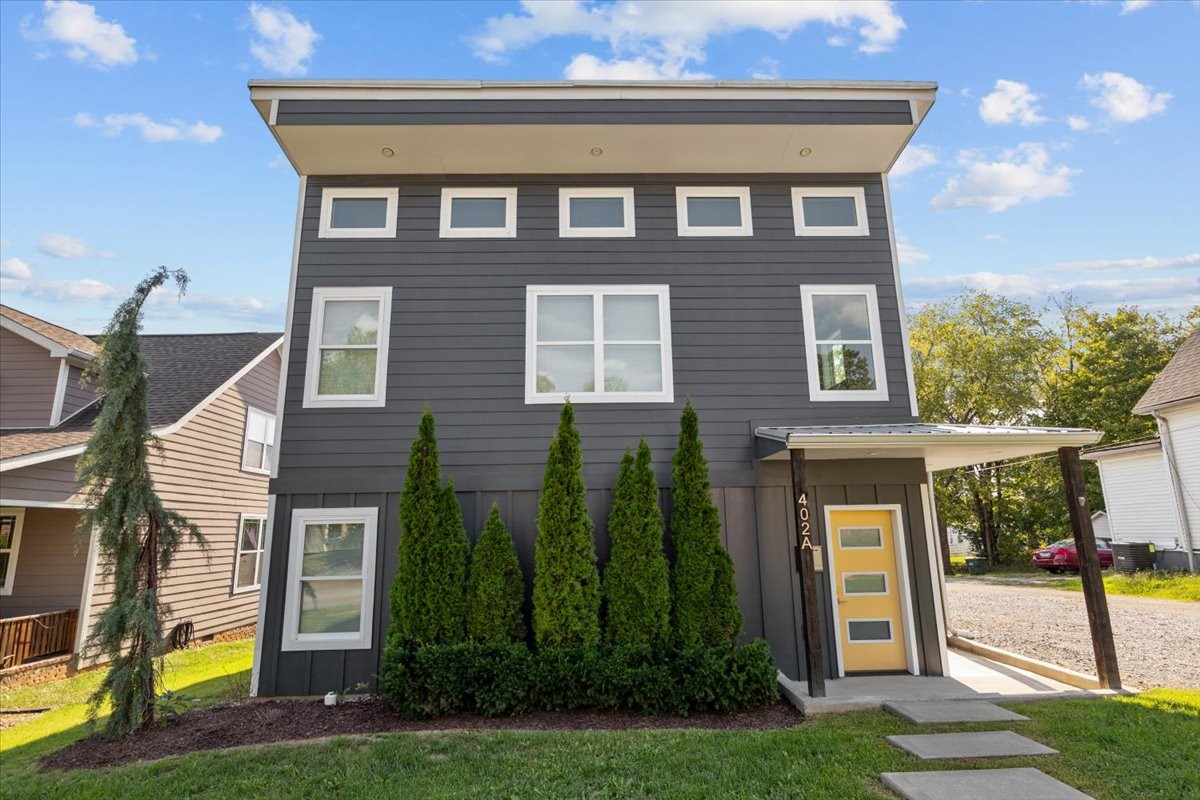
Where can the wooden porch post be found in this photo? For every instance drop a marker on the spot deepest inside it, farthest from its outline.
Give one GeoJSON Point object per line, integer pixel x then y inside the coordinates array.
{"type": "Point", "coordinates": [1089, 568]}
{"type": "Point", "coordinates": [813, 651]}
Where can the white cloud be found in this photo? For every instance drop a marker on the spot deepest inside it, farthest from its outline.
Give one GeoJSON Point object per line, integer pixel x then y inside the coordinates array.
{"type": "Point", "coordinates": [767, 69]}
{"type": "Point", "coordinates": [174, 130]}
{"type": "Point", "coordinates": [59, 245]}
{"type": "Point", "coordinates": [837, 41]}
{"type": "Point", "coordinates": [1144, 263]}
{"type": "Point", "coordinates": [88, 38]}
{"type": "Point", "coordinates": [1077, 123]}
{"type": "Point", "coordinates": [993, 237]}
{"type": "Point", "coordinates": [586, 67]}
{"type": "Point", "coordinates": [908, 253]}
{"type": "Point", "coordinates": [1122, 98]}
{"type": "Point", "coordinates": [15, 268]}
{"type": "Point", "coordinates": [284, 43]}
{"type": "Point", "coordinates": [1011, 102]}
{"type": "Point", "coordinates": [662, 39]}
{"type": "Point", "coordinates": [914, 158]}
{"type": "Point", "coordinates": [1178, 292]}
{"type": "Point", "coordinates": [60, 291]}
{"type": "Point", "coordinates": [1130, 6]}
{"type": "Point", "coordinates": [1022, 175]}
{"type": "Point", "coordinates": [166, 302]}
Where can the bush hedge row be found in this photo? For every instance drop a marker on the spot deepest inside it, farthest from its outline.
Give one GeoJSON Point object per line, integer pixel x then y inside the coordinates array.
{"type": "Point", "coordinates": [500, 679]}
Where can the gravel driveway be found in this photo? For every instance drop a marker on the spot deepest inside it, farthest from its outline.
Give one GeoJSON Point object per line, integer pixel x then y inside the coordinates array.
{"type": "Point", "coordinates": [1158, 641]}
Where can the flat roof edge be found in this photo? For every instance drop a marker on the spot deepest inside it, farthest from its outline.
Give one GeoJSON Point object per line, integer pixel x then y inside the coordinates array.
{"type": "Point", "coordinates": [333, 83]}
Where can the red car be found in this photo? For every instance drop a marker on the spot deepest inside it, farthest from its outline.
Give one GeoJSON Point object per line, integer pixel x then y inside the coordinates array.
{"type": "Point", "coordinates": [1061, 556]}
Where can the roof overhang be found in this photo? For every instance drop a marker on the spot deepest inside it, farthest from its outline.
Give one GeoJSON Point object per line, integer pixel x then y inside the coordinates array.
{"type": "Point", "coordinates": [1122, 450]}
{"type": "Point", "coordinates": [535, 135]}
{"type": "Point", "coordinates": [941, 446]}
{"type": "Point", "coordinates": [57, 349]}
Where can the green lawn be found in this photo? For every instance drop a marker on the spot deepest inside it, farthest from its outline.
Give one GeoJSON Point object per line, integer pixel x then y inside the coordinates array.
{"type": "Point", "coordinates": [1123, 747]}
{"type": "Point", "coordinates": [1164, 585]}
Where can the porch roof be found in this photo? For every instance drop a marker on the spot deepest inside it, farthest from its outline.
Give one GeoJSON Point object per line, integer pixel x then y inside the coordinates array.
{"type": "Point", "coordinates": [941, 446]}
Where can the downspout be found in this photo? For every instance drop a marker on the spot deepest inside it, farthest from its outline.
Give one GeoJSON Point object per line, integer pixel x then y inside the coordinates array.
{"type": "Point", "coordinates": [1164, 435]}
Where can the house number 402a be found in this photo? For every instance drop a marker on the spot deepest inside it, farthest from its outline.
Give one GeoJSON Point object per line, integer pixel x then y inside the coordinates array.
{"type": "Point", "coordinates": [805, 527]}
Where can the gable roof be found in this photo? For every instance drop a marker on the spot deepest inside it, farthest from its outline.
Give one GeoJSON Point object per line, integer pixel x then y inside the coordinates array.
{"type": "Point", "coordinates": [1179, 380]}
{"type": "Point", "coordinates": [187, 372]}
{"type": "Point", "coordinates": [40, 331]}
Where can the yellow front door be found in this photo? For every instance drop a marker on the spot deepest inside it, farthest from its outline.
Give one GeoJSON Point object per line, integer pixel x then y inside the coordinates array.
{"type": "Point", "coordinates": [867, 590]}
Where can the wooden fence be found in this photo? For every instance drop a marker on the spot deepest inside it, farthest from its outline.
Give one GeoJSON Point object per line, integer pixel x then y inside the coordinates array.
{"type": "Point", "coordinates": [23, 639]}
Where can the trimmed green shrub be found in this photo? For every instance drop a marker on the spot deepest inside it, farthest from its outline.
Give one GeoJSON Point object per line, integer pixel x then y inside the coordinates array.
{"type": "Point", "coordinates": [637, 592]}
{"type": "Point", "coordinates": [428, 595]}
{"type": "Point", "coordinates": [702, 584]}
{"type": "Point", "coordinates": [495, 586]}
{"type": "Point", "coordinates": [566, 582]}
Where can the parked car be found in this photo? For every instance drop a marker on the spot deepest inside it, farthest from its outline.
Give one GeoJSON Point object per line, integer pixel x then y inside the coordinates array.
{"type": "Point", "coordinates": [1061, 556]}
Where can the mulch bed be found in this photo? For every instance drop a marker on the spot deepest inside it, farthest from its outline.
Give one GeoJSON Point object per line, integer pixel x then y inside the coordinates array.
{"type": "Point", "coordinates": [266, 721]}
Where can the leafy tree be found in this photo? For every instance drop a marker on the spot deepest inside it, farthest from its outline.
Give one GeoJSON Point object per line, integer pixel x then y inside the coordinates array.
{"type": "Point", "coordinates": [637, 589]}
{"type": "Point", "coordinates": [566, 583]}
{"type": "Point", "coordinates": [495, 586]}
{"type": "Point", "coordinates": [428, 597]}
{"type": "Point", "coordinates": [702, 584]}
{"type": "Point", "coordinates": [137, 538]}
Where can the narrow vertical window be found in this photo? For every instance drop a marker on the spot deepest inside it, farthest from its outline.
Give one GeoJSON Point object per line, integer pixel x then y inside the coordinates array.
{"type": "Point", "coordinates": [258, 448]}
{"type": "Point", "coordinates": [843, 343]}
{"type": "Point", "coordinates": [347, 347]}
{"type": "Point", "coordinates": [11, 522]}
{"type": "Point", "coordinates": [247, 569]}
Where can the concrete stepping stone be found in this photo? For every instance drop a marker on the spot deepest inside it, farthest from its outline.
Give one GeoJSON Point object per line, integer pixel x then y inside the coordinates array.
{"type": "Point", "coordinates": [980, 784]}
{"type": "Point", "coordinates": [937, 713]}
{"type": "Point", "coordinates": [988, 744]}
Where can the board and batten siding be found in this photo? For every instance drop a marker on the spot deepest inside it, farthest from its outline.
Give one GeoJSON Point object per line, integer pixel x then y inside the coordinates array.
{"type": "Point", "coordinates": [28, 378]}
{"type": "Point", "coordinates": [457, 338]}
{"type": "Point", "coordinates": [51, 564]}
{"type": "Point", "coordinates": [1138, 499]}
{"type": "Point", "coordinates": [199, 475]}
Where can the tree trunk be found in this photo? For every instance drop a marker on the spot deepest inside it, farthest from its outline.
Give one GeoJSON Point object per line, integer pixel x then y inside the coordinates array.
{"type": "Point", "coordinates": [944, 534]}
{"type": "Point", "coordinates": [984, 516]}
{"type": "Point", "coordinates": [142, 641]}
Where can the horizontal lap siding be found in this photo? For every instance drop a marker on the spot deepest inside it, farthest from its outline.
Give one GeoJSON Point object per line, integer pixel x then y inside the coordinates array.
{"type": "Point", "coordinates": [457, 339]}
{"type": "Point", "coordinates": [78, 394]}
{"type": "Point", "coordinates": [50, 564]}
{"type": "Point", "coordinates": [28, 378]}
{"type": "Point", "coordinates": [593, 112]}
{"type": "Point", "coordinates": [199, 475]}
{"type": "Point", "coordinates": [49, 482]}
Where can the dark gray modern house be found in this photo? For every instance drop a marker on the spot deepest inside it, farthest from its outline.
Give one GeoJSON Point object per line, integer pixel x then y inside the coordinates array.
{"type": "Point", "coordinates": [491, 249]}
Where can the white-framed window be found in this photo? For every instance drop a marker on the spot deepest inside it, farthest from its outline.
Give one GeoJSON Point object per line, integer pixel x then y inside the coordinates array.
{"type": "Point", "coordinates": [843, 343]}
{"type": "Point", "coordinates": [598, 344]}
{"type": "Point", "coordinates": [247, 565]}
{"type": "Point", "coordinates": [330, 592]}
{"type": "Point", "coordinates": [347, 347]}
{"type": "Point", "coordinates": [358, 213]}
{"type": "Point", "coordinates": [258, 446]}
{"type": "Point", "coordinates": [486, 213]}
{"type": "Point", "coordinates": [595, 211]}
{"type": "Point", "coordinates": [713, 211]}
{"type": "Point", "coordinates": [830, 211]}
{"type": "Point", "coordinates": [12, 520]}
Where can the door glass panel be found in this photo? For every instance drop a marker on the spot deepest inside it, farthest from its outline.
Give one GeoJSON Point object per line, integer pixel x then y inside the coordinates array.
{"type": "Point", "coordinates": [350, 322]}
{"type": "Point", "coordinates": [330, 606]}
{"type": "Point", "coordinates": [566, 368]}
{"type": "Point", "coordinates": [830, 212]}
{"type": "Point", "coordinates": [597, 212]}
{"type": "Point", "coordinates": [631, 318]}
{"type": "Point", "coordinates": [364, 212]}
{"type": "Point", "coordinates": [845, 367]}
{"type": "Point", "coordinates": [478, 212]}
{"type": "Point", "coordinates": [334, 548]}
{"type": "Point", "coordinates": [632, 368]}
{"type": "Point", "coordinates": [850, 538]}
{"type": "Point", "coordinates": [564, 318]}
{"type": "Point", "coordinates": [841, 317]}
{"type": "Point", "coordinates": [869, 630]}
{"type": "Point", "coordinates": [714, 212]}
{"type": "Point", "coordinates": [865, 583]}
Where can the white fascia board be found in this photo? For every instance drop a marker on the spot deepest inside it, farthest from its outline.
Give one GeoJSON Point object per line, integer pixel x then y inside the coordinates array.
{"type": "Point", "coordinates": [883, 441]}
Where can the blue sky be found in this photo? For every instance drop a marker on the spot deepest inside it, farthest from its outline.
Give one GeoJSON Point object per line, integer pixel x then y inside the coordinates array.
{"type": "Point", "coordinates": [1063, 151]}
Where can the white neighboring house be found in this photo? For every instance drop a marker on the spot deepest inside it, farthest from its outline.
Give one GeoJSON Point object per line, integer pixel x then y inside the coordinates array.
{"type": "Point", "coordinates": [1152, 488]}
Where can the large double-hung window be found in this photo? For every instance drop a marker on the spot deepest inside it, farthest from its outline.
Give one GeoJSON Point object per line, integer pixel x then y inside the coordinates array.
{"type": "Point", "coordinates": [347, 347]}
{"type": "Point", "coordinates": [598, 344]}
{"type": "Point", "coordinates": [843, 342]}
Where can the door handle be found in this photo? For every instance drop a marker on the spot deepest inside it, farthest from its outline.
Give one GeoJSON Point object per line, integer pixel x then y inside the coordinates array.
{"type": "Point", "coordinates": [841, 600]}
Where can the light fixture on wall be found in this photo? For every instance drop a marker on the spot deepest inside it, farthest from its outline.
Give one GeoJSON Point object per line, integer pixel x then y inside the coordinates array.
{"type": "Point", "coordinates": [388, 152]}
{"type": "Point", "coordinates": [597, 151]}
{"type": "Point", "coordinates": [805, 152]}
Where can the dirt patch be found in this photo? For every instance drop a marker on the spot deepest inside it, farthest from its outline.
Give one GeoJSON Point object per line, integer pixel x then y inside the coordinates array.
{"type": "Point", "coordinates": [264, 722]}
{"type": "Point", "coordinates": [11, 719]}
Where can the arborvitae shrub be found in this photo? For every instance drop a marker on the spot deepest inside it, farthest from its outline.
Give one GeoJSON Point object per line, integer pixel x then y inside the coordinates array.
{"type": "Point", "coordinates": [495, 587]}
{"type": "Point", "coordinates": [566, 583]}
{"type": "Point", "coordinates": [702, 584]}
{"type": "Point", "coordinates": [637, 591]}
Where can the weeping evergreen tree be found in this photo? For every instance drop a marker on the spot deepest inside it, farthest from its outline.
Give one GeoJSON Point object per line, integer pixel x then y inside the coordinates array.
{"type": "Point", "coordinates": [495, 586]}
{"type": "Point", "coordinates": [705, 595]}
{"type": "Point", "coordinates": [137, 537]}
{"type": "Point", "coordinates": [428, 593]}
{"type": "Point", "coordinates": [637, 591]}
{"type": "Point", "coordinates": [566, 583]}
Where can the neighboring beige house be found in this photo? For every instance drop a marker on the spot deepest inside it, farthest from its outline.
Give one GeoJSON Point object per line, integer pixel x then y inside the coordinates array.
{"type": "Point", "coordinates": [1152, 488]}
{"type": "Point", "coordinates": [212, 405]}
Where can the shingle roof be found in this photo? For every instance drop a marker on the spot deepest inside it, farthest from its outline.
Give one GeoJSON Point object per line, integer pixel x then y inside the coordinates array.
{"type": "Point", "coordinates": [1179, 380]}
{"type": "Point", "coordinates": [55, 333]}
{"type": "Point", "coordinates": [184, 370]}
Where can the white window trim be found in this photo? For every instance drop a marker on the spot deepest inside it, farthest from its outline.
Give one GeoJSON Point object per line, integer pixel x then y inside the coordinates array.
{"type": "Point", "coordinates": [742, 193]}
{"type": "Point", "coordinates": [238, 552]}
{"type": "Point", "coordinates": [246, 439]}
{"type": "Point", "coordinates": [666, 395]}
{"type": "Point", "coordinates": [360, 640]}
{"type": "Point", "coordinates": [886, 584]}
{"type": "Point", "coordinates": [863, 228]}
{"type": "Point", "coordinates": [509, 231]}
{"type": "Point", "coordinates": [321, 294]}
{"type": "Point", "coordinates": [329, 194]}
{"type": "Point", "coordinates": [15, 549]}
{"type": "Point", "coordinates": [564, 212]}
{"type": "Point", "coordinates": [815, 392]}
